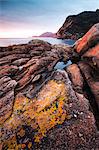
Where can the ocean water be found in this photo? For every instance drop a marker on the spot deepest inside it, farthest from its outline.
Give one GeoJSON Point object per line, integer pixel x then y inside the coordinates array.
{"type": "Point", "coordinates": [13, 41]}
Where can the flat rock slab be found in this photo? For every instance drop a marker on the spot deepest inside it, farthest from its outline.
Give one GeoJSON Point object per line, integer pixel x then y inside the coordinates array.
{"type": "Point", "coordinates": [56, 118]}
{"type": "Point", "coordinates": [7, 86]}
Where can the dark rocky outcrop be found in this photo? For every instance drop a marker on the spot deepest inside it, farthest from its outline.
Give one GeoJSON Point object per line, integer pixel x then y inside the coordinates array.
{"type": "Point", "coordinates": [42, 108]}
{"type": "Point", "coordinates": [76, 26]}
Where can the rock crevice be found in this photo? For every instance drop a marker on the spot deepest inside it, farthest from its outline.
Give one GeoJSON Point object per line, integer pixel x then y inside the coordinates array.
{"type": "Point", "coordinates": [46, 108]}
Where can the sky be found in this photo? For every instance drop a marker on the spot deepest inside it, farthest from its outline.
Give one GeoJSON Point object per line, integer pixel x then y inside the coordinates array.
{"type": "Point", "coordinates": [25, 18]}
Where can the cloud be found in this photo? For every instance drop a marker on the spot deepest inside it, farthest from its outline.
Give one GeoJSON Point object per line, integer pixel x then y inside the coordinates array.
{"type": "Point", "coordinates": [40, 15]}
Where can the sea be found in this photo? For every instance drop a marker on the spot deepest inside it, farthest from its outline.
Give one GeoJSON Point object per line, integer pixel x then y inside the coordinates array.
{"type": "Point", "coordinates": [13, 41]}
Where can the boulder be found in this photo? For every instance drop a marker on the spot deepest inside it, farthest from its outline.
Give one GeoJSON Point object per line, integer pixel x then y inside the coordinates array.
{"type": "Point", "coordinates": [89, 40]}
{"type": "Point", "coordinates": [76, 77]}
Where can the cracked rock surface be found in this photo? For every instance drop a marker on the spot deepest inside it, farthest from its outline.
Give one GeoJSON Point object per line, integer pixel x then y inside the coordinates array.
{"type": "Point", "coordinates": [48, 109]}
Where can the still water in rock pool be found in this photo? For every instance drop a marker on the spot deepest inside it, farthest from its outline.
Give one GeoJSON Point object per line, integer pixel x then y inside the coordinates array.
{"type": "Point", "coordinates": [61, 65]}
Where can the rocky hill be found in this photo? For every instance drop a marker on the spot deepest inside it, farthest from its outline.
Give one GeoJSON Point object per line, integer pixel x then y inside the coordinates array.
{"type": "Point", "coordinates": [45, 108]}
{"type": "Point", "coordinates": [48, 34]}
{"type": "Point", "coordinates": [76, 26]}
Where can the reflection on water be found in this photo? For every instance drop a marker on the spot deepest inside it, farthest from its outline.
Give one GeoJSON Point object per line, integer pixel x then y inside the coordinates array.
{"type": "Point", "coordinates": [12, 41]}
{"type": "Point", "coordinates": [61, 65]}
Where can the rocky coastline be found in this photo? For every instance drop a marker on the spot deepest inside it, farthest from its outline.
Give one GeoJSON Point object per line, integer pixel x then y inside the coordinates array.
{"type": "Point", "coordinates": [43, 108]}
{"type": "Point", "coordinates": [75, 26]}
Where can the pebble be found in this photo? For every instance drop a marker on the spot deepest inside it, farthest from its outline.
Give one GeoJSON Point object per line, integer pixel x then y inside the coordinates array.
{"type": "Point", "coordinates": [20, 68]}
{"type": "Point", "coordinates": [89, 117]}
{"type": "Point", "coordinates": [37, 77]}
{"type": "Point", "coordinates": [80, 135]}
{"type": "Point", "coordinates": [81, 113]}
{"type": "Point", "coordinates": [75, 115]}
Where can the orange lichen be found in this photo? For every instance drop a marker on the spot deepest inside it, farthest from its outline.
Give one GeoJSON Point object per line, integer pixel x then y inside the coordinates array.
{"type": "Point", "coordinates": [11, 144]}
{"type": "Point", "coordinates": [29, 145]}
{"type": "Point", "coordinates": [23, 146]}
{"type": "Point", "coordinates": [41, 113]}
{"type": "Point", "coordinates": [93, 51]}
{"type": "Point", "coordinates": [21, 133]}
{"type": "Point", "coordinates": [49, 118]}
{"type": "Point", "coordinates": [83, 42]}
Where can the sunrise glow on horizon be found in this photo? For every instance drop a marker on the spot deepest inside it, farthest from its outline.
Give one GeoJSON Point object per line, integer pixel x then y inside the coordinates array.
{"type": "Point", "coordinates": [27, 18]}
{"type": "Point", "coordinates": [20, 33]}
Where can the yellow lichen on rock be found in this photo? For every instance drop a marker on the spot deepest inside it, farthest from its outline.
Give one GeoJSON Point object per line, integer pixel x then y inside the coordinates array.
{"type": "Point", "coordinates": [47, 119]}
{"type": "Point", "coordinates": [41, 113]}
